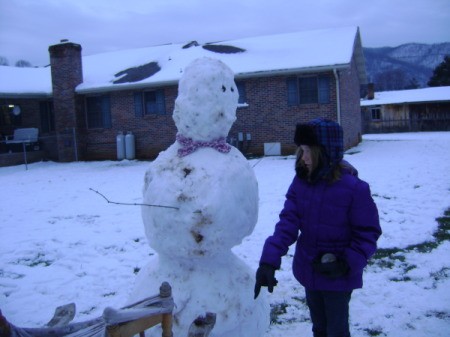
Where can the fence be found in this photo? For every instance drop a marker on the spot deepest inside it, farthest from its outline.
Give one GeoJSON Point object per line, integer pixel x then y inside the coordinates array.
{"type": "Point", "coordinates": [406, 125]}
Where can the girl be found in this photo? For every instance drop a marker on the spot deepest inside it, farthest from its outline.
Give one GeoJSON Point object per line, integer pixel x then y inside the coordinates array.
{"type": "Point", "coordinates": [338, 222]}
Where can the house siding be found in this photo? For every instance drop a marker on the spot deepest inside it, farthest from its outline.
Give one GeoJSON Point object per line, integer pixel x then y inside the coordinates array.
{"type": "Point", "coordinates": [30, 118]}
{"type": "Point", "coordinates": [29, 115]}
{"type": "Point", "coordinates": [153, 133]}
{"type": "Point", "coordinates": [267, 117]}
{"type": "Point", "coordinates": [408, 117]}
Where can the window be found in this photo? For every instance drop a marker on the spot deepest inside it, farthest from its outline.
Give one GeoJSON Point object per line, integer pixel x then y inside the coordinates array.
{"type": "Point", "coordinates": [149, 103]}
{"type": "Point", "coordinates": [8, 117]}
{"type": "Point", "coordinates": [242, 93]}
{"type": "Point", "coordinates": [47, 116]}
{"type": "Point", "coordinates": [323, 85]}
{"type": "Point", "coordinates": [376, 113]}
{"type": "Point", "coordinates": [307, 90]}
{"type": "Point", "coordinates": [98, 110]}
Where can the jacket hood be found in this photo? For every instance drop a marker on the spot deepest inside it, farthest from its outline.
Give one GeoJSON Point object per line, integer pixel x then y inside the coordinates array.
{"type": "Point", "coordinates": [329, 136]}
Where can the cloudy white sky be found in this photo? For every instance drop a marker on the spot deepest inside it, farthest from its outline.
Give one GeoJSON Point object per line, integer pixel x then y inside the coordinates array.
{"type": "Point", "coordinates": [28, 27]}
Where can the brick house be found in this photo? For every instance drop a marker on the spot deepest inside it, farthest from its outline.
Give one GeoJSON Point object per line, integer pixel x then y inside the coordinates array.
{"type": "Point", "coordinates": [85, 101]}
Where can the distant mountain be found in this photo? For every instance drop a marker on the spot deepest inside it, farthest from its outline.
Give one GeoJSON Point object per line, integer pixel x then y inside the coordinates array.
{"type": "Point", "coordinates": [407, 66]}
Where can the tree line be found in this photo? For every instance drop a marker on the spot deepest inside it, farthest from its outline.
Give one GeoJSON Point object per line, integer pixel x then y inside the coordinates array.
{"type": "Point", "coordinates": [398, 79]}
{"type": "Point", "coordinates": [20, 63]}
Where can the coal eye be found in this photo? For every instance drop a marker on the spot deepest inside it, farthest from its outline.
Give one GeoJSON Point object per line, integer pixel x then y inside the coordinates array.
{"type": "Point", "coordinates": [232, 89]}
{"type": "Point", "coordinates": [223, 88]}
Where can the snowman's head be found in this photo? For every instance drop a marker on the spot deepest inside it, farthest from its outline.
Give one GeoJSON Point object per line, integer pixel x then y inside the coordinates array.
{"type": "Point", "coordinates": [205, 108]}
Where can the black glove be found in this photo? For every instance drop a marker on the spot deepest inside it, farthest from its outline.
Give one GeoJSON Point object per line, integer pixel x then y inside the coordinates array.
{"type": "Point", "coordinates": [333, 269]}
{"type": "Point", "coordinates": [265, 277]}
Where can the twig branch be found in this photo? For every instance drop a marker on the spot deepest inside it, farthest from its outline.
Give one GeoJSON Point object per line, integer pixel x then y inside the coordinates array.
{"type": "Point", "coordinates": [130, 204]}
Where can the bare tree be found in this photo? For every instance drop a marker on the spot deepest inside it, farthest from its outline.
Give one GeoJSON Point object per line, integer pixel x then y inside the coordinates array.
{"type": "Point", "coordinates": [23, 64]}
{"type": "Point", "coordinates": [4, 61]}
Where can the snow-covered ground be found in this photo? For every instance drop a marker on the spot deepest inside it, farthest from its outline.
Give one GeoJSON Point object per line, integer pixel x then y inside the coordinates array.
{"type": "Point", "coordinates": [60, 242]}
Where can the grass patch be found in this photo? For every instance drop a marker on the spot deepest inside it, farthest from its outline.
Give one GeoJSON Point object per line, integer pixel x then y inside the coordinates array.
{"type": "Point", "coordinates": [112, 293]}
{"type": "Point", "coordinates": [38, 260]}
{"type": "Point", "coordinates": [395, 257]}
{"type": "Point", "coordinates": [374, 332]}
{"type": "Point", "coordinates": [440, 235]}
{"type": "Point", "coordinates": [276, 310]}
{"type": "Point", "coordinates": [445, 315]}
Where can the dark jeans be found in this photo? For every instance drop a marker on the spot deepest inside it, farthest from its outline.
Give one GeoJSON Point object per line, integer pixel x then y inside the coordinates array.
{"type": "Point", "coordinates": [329, 312]}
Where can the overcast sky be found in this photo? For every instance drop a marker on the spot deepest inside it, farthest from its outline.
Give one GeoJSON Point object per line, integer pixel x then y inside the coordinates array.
{"type": "Point", "coordinates": [28, 27]}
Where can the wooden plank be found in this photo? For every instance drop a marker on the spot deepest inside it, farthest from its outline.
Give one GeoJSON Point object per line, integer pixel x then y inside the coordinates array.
{"type": "Point", "coordinates": [129, 329]}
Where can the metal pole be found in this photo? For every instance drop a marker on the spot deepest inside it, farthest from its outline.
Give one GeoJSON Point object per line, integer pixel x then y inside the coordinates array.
{"type": "Point", "coordinates": [25, 155]}
{"type": "Point", "coordinates": [75, 143]}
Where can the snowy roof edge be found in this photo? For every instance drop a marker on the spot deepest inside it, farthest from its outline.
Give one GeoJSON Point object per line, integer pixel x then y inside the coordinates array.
{"type": "Point", "coordinates": [421, 95]}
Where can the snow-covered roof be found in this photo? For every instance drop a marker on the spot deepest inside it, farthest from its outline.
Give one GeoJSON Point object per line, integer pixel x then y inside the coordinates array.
{"type": "Point", "coordinates": [434, 94]}
{"type": "Point", "coordinates": [159, 65]}
{"type": "Point", "coordinates": [15, 82]}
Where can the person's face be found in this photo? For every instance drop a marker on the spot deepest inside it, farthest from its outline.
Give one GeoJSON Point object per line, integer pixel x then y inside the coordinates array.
{"type": "Point", "coordinates": [306, 156]}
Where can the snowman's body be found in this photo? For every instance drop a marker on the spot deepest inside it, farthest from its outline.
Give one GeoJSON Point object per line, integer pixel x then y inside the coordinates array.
{"type": "Point", "coordinates": [214, 195]}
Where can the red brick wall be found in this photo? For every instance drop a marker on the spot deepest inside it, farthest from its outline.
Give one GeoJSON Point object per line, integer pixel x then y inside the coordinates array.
{"type": "Point", "coordinates": [29, 112]}
{"type": "Point", "coordinates": [268, 118]}
{"type": "Point", "coordinates": [153, 133]}
{"type": "Point", "coordinates": [30, 118]}
{"type": "Point", "coordinates": [67, 73]}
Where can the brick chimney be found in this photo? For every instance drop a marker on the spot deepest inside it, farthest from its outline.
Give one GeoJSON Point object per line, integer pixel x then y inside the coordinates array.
{"type": "Point", "coordinates": [370, 91]}
{"type": "Point", "coordinates": [67, 73]}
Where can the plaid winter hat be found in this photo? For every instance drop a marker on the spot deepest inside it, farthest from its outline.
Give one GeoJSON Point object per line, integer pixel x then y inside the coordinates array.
{"type": "Point", "coordinates": [325, 133]}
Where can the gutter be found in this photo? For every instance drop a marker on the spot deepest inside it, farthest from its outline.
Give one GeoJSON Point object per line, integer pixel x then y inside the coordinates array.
{"type": "Point", "coordinates": [123, 87]}
{"type": "Point", "coordinates": [25, 95]}
{"type": "Point", "coordinates": [338, 96]}
{"type": "Point", "coordinates": [289, 71]}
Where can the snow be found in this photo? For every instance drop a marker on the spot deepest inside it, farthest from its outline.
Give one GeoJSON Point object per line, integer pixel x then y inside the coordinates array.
{"type": "Point", "coordinates": [205, 108]}
{"type": "Point", "coordinates": [434, 94]}
{"type": "Point", "coordinates": [323, 48]}
{"type": "Point", "coordinates": [62, 243]}
{"type": "Point", "coordinates": [281, 52]}
{"type": "Point", "coordinates": [15, 80]}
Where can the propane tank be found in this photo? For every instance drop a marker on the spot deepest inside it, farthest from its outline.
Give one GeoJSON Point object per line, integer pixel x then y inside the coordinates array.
{"type": "Point", "coordinates": [120, 146]}
{"type": "Point", "coordinates": [129, 146]}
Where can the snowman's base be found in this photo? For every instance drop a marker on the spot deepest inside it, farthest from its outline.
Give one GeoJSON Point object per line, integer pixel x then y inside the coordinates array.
{"type": "Point", "coordinates": [222, 285]}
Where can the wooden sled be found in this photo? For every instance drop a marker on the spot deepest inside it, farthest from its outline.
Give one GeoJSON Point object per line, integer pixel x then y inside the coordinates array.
{"type": "Point", "coordinates": [125, 322]}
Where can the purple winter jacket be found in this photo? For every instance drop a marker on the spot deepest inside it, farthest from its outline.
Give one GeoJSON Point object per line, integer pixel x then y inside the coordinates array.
{"type": "Point", "coordinates": [339, 218]}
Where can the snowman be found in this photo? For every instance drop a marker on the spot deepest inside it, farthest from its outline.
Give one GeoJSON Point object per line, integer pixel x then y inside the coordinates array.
{"type": "Point", "coordinates": [211, 198]}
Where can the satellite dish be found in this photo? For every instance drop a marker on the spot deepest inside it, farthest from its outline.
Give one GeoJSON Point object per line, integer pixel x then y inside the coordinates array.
{"type": "Point", "coordinates": [16, 110]}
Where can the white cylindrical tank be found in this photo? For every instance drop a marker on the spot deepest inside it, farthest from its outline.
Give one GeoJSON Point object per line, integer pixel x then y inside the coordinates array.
{"type": "Point", "coordinates": [129, 146]}
{"type": "Point", "coordinates": [120, 139]}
